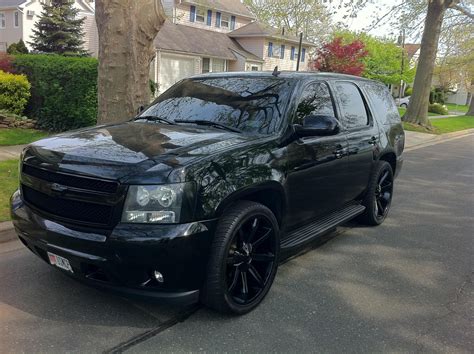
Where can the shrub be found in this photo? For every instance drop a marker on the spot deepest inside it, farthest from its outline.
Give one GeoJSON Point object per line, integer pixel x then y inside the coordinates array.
{"type": "Point", "coordinates": [14, 92]}
{"type": "Point", "coordinates": [6, 63]}
{"type": "Point", "coordinates": [64, 90]}
{"type": "Point", "coordinates": [17, 48]}
{"type": "Point", "coordinates": [408, 91]}
{"type": "Point", "coordinates": [438, 109]}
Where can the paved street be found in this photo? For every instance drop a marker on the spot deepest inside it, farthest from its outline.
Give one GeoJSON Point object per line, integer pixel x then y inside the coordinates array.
{"type": "Point", "coordinates": [404, 286]}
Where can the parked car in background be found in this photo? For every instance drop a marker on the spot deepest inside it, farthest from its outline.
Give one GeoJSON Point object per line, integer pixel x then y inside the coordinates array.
{"type": "Point", "coordinates": [209, 188]}
{"type": "Point", "coordinates": [403, 102]}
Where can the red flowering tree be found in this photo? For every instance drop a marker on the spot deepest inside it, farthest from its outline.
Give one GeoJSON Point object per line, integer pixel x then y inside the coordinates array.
{"type": "Point", "coordinates": [6, 63]}
{"type": "Point", "coordinates": [338, 57]}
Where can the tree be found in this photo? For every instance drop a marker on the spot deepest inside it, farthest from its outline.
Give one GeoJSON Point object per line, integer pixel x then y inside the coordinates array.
{"type": "Point", "coordinates": [127, 29]}
{"type": "Point", "coordinates": [308, 16]}
{"type": "Point", "coordinates": [338, 57]}
{"type": "Point", "coordinates": [383, 60]}
{"type": "Point", "coordinates": [17, 48]}
{"type": "Point", "coordinates": [58, 29]}
{"type": "Point", "coordinates": [434, 14]}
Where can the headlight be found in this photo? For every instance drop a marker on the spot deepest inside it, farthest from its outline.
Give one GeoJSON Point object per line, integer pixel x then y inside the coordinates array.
{"type": "Point", "coordinates": [156, 204]}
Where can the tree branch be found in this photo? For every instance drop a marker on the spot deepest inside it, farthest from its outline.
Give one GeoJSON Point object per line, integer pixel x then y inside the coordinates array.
{"type": "Point", "coordinates": [463, 10]}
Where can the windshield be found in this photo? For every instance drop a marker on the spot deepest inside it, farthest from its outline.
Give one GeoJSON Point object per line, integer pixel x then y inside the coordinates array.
{"type": "Point", "coordinates": [250, 105]}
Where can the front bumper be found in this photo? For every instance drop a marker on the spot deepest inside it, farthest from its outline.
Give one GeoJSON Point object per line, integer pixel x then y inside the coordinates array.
{"type": "Point", "coordinates": [123, 259]}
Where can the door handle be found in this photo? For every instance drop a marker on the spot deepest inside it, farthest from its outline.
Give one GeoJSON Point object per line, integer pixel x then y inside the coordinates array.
{"type": "Point", "coordinates": [373, 141]}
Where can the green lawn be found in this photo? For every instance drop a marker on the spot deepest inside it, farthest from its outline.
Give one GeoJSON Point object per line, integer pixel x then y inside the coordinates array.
{"type": "Point", "coordinates": [444, 125]}
{"type": "Point", "coordinates": [18, 136]}
{"type": "Point", "coordinates": [402, 111]}
{"type": "Point", "coordinates": [457, 108]}
{"type": "Point", "coordinates": [9, 178]}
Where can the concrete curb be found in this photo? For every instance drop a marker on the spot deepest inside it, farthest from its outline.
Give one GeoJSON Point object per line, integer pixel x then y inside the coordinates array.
{"type": "Point", "coordinates": [441, 138]}
{"type": "Point", "coordinates": [7, 232]}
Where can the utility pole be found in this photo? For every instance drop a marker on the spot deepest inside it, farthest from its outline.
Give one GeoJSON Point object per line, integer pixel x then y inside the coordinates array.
{"type": "Point", "coordinates": [402, 43]}
{"type": "Point", "coordinates": [299, 52]}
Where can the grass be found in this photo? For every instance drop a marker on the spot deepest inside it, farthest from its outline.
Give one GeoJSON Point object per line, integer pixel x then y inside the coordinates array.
{"type": "Point", "coordinates": [457, 108]}
{"type": "Point", "coordinates": [444, 125]}
{"type": "Point", "coordinates": [19, 136]}
{"type": "Point", "coordinates": [9, 178]}
{"type": "Point", "coordinates": [402, 111]}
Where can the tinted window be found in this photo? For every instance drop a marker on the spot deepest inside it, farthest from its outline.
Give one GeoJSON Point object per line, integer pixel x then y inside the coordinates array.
{"type": "Point", "coordinates": [382, 103]}
{"type": "Point", "coordinates": [354, 114]}
{"type": "Point", "coordinates": [316, 100]}
{"type": "Point", "coordinates": [253, 105]}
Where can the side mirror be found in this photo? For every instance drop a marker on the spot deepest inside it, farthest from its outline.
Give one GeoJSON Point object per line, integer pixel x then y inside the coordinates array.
{"type": "Point", "coordinates": [317, 125]}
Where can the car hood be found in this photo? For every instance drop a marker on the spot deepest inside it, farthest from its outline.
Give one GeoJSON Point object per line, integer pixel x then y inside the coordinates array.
{"type": "Point", "coordinates": [130, 149]}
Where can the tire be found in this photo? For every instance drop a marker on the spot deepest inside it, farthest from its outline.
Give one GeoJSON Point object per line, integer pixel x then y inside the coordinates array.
{"type": "Point", "coordinates": [378, 197]}
{"type": "Point", "coordinates": [404, 105]}
{"type": "Point", "coordinates": [242, 245]}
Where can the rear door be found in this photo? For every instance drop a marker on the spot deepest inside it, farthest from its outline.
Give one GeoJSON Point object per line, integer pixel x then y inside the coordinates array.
{"type": "Point", "coordinates": [362, 134]}
{"type": "Point", "coordinates": [317, 165]}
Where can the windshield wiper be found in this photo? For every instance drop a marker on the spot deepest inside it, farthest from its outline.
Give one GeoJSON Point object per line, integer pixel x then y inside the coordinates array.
{"type": "Point", "coordinates": [209, 123]}
{"type": "Point", "coordinates": [155, 119]}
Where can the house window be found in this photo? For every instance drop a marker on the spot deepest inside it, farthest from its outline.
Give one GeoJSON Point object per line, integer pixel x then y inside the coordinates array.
{"type": "Point", "coordinates": [276, 50]}
{"type": "Point", "coordinates": [2, 20]}
{"type": "Point", "coordinates": [225, 20]}
{"type": "Point", "coordinates": [206, 65]}
{"type": "Point", "coordinates": [254, 68]}
{"type": "Point", "coordinates": [16, 19]}
{"type": "Point", "coordinates": [200, 15]}
{"type": "Point", "coordinates": [218, 65]}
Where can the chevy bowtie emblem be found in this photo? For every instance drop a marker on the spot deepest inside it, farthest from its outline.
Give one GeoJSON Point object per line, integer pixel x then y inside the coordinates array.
{"type": "Point", "coordinates": [58, 187]}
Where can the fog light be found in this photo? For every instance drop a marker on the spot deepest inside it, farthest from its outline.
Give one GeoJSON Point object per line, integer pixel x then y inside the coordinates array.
{"type": "Point", "coordinates": [158, 276]}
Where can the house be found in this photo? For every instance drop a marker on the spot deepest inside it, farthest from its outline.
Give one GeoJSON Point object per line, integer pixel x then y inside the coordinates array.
{"type": "Point", "coordinates": [17, 19]}
{"type": "Point", "coordinates": [219, 35]}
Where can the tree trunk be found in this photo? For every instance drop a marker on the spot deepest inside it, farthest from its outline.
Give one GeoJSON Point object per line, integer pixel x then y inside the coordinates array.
{"type": "Point", "coordinates": [470, 111]}
{"type": "Point", "coordinates": [417, 111]}
{"type": "Point", "coordinates": [127, 29]}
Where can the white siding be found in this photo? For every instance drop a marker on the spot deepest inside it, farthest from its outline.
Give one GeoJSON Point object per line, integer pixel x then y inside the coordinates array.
{"type": "Point", "coordinates": [10, 34]}
{"type": "Point", "coordinates": [286, 63]}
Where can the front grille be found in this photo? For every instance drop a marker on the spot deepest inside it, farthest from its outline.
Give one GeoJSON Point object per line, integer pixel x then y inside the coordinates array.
{"type": "Point", "coordinates": [71, 181]}
{"type": "Point", "coordinates": [69, 209]}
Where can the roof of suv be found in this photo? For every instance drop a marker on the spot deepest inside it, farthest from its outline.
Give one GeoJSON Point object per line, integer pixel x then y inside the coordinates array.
{"type": "Point", "coordinates": [283, 74]}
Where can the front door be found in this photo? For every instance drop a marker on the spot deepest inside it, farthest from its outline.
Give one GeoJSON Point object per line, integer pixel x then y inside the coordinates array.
{"type": "Point", "coordinates": [317, 166]}
{"type": "Point", "coordinates": [362, 135]}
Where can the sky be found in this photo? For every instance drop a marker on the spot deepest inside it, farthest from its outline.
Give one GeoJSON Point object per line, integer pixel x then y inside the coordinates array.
{"type": "Point", "coordinates": [367, 16]}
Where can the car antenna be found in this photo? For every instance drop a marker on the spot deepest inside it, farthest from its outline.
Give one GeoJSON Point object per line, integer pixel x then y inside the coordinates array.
{"type": "Point", "coordinates": [276, 72]}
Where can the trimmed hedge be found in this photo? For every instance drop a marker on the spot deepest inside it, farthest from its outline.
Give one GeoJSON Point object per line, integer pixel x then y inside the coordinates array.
{"type": "Point", "coordinates": [438, 109]}
{"type": "Point", "coordinates": [64, 90]}
{"type": "Point", "coordinates": [14, 92]}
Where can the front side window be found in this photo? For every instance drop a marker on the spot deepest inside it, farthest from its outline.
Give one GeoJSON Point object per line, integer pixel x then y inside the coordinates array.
{"type": "Point", "coordinates": [252, 105]}
{"type": "Point", "coordinates": [200, 15]}
{"type": "Point", "coordinates": [353, 111]}
{"type": "Point", "coordinates": [317, 101]}
{"type": "Point", "coordinates": [2, 20]}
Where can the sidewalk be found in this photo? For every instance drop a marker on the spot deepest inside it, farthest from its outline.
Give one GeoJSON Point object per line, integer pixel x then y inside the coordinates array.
{"type": "Point", "coordinates": [10, 152]}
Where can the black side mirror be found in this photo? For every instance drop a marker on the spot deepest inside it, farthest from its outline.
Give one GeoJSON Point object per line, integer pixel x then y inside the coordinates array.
{"type": "Point", "coordinates": [317, 125]}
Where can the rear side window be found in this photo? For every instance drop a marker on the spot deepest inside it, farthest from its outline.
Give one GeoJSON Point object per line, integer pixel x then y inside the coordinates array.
{"type": "Point", "coordinates": [316, 100]}
{"type": "Point", "coordinates": [354, 113]}
{"type": "Point", "coordinates": [382, 103]}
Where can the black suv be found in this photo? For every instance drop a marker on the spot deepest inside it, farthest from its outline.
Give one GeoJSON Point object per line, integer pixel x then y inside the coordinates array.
{"type": "Point", "coordinates": [219, 179]}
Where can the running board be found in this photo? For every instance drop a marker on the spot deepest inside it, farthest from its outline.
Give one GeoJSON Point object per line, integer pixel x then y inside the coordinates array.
{"type": "Point", "coordinates": [310, 231]}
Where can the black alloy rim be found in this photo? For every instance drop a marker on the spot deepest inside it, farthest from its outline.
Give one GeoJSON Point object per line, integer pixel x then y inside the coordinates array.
{"type": "Point", "coordinates": [250, 259]}
{"type": "Point", "coordinates": [383, 194]}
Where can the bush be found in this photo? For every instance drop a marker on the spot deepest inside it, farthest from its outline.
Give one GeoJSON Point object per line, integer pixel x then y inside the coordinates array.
{"type": "Point", "coordinates": [408, 91]}
{"type": "Point", "coordinates": [438, 109]}
{"type": "Point", "coordinates": [64, 90]}
{"type": "Point", "coordinates": [6, 63]}
{"type": "Point", "coordinates": [17, 48]}
{"type": "Point", "coordinates": [14, 92]}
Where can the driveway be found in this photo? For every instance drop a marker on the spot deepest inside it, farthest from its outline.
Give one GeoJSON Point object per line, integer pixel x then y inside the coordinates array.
{"type": "Point", "coordinates": [404, 286]}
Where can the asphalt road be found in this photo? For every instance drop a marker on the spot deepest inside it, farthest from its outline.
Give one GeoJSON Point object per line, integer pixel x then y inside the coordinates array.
{"type": "Point", "coordinates": [404, 286]}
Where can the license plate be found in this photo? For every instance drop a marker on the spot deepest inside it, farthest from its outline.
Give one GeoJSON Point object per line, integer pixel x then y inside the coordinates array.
{"type": "Point", "coordinates": [59, 262]}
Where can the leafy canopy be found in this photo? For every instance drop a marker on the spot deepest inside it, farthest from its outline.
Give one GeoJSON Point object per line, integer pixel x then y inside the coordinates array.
{"type": "Point", "coordinates": [59, 30]}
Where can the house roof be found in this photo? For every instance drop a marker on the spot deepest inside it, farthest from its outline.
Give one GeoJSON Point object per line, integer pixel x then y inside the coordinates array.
{"type": "Point", "coordinates": [231, 6]}
{"type": "Point", "coordinates": [11, 3]}
{"type": "Point", "coordinates": [186, 39]}
{"type": "Point", "coordinates": [411, 49]}
{"type": "Point", "coordinates": [257, 29]}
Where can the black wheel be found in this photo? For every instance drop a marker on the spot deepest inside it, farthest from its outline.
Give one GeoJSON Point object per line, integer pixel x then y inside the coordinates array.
{"type": "Point", "coordinates": [244, 259]}
{"type": "Point", "coordinates": [404, 105]}
{"type": "Point", "coordinates": [379, 194]}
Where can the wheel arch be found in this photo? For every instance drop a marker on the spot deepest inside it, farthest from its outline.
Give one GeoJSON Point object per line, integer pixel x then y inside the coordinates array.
{"type": "Point", "coordinates": [391, 158]}
{"type": "Point", "coordinates": [271, 194]}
